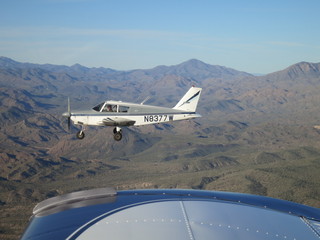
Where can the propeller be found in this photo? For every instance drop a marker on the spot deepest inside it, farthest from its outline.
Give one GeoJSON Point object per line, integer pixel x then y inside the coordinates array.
{"type": "Point", "coordinates": [68, 114]}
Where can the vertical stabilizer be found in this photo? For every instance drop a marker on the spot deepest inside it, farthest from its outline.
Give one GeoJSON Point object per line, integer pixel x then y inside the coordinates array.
{"type": "Point", "coordinates": [190, 100]}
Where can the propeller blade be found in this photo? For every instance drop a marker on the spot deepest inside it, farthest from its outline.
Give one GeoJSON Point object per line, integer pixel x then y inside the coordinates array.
{"type": "Point", "coordinates": [69, 111]}
{"type": "Point", "coordinates": [69, 123]}
{"type": "Point", "coordinates": [68, 114]}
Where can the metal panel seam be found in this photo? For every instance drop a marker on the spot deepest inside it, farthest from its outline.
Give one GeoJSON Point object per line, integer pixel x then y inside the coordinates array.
{"type": "Point", "coordinates": [306, 221]}
{"type": "Point", "coordinates": [186, 220]}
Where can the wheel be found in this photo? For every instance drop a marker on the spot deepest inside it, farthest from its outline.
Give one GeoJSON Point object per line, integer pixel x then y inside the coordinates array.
{"type": "Point", "coordinates": [117, 136]}
{"type": "Point", "coordinates": [80, 135]}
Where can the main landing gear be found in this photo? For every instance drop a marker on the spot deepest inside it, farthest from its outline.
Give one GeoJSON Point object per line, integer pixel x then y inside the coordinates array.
{"type": "Point", "coordinates": [117, 134]}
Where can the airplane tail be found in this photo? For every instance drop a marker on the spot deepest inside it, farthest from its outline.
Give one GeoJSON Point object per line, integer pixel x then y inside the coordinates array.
{"type": "Point", "coordinates": [190, 100]}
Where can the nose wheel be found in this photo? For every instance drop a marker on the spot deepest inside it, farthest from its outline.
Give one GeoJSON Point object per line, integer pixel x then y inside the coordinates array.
{"type": "Point", "coordinates": [117, 134]}
{"type": "Point", "coordinates": [80, 135]}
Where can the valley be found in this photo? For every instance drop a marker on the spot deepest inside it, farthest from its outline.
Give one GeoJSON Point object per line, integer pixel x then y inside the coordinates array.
{"type": "Point", "coordinates": [256, 134]}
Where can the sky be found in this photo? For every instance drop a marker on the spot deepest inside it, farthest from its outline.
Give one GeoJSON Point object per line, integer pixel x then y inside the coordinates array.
{"type": "Point", "coordinates": [255, 36]}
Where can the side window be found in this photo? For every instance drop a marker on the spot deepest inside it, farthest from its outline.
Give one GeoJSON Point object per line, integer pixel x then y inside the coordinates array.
{"type": "Point", "coordinates": [123, 109]}
{"type": "Point", "coordinates": [110, 108]}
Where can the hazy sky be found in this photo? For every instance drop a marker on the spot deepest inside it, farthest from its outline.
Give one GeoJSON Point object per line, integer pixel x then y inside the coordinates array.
{"type": "Point", "coordinates": [256, 36]}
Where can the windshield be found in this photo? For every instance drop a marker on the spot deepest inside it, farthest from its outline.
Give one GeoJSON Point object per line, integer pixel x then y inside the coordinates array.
{"type": "Point", "coordinates": [98, 107]}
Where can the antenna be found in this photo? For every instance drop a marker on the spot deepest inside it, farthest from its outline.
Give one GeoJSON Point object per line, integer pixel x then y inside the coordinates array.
{"type": "Point", "coordinates": [146, 99]}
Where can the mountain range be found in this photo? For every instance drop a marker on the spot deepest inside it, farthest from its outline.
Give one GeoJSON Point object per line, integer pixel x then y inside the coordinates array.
{"type": "Point", "coordinates": [255, 136]}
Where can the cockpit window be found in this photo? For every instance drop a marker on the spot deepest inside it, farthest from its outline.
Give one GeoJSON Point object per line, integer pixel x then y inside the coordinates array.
{"type": "Point", "coordinates": [105, 107]}
{"type": "Point", "coordinates": [98, 107]}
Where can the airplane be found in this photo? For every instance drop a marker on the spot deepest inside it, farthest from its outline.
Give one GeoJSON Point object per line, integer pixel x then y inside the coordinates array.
{"type": "Point", "coordinates": [105, 213]}
{"type": "Point", "coordinates": [124, 114]}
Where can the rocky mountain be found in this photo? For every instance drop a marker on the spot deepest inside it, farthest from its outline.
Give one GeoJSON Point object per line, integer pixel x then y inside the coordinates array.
{"type": "Point", "coordinates": [256, 131]}
{"type": "Point", "coordinates": [299, 71]}
{"type": "Point", "coordinates": [30, 90]}
{"type": "Point", "coordinates": [32, 93]}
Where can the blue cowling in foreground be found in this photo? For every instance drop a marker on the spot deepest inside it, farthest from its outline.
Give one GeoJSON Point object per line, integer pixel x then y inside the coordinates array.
{"type": "Point", "coordinates": [171, 214]}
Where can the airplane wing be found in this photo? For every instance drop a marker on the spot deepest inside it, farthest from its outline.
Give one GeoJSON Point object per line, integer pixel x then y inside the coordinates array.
{"type": "Point", "coordinates": [118, 121]}
{"type": "Point", "coordinates": [171, 214]}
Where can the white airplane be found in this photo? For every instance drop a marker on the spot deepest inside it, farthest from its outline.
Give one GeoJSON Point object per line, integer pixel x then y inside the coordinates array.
{"type": "Point", "coordinates": [124, 114]}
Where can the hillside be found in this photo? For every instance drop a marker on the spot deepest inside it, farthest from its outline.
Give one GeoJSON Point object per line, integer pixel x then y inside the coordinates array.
{"type": "Point", "coordinates": [256, 134]}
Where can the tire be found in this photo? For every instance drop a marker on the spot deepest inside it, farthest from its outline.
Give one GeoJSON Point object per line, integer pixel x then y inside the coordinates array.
{"type": "Point", "coordinates": [80, 135]}
{"type": "Point", "coordinates": [117, 136]}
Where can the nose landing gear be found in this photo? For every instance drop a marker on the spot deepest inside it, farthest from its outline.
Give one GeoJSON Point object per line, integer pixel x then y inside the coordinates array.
{"type": "Point", "coordinates": [80, 135]}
